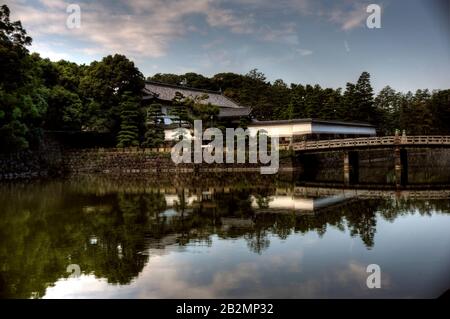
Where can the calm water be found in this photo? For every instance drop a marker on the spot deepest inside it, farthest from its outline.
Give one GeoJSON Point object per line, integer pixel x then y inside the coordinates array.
{"type": "Point", "coordinates": [202, 238]}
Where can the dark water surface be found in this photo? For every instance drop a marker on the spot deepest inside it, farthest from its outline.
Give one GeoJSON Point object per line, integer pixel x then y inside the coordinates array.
{"type": "Point", "coordinates": [214, 237]}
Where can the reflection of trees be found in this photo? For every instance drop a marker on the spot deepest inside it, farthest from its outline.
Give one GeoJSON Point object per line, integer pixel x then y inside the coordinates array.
{"type": "Point", "coordinates": [362, 221]}
{"type": "Point", "coordinates": [121, 232]}
{"type": "Point", "coordinates": [391, 209]}
{"type": "Point", "coordinates": [108, 235]}
{"type": "Point", "coordinates": [40, 238]}
{"type": "Point", "coordinates": [258, 241]}
{"type": "Point", "coordinates": [263, 198]}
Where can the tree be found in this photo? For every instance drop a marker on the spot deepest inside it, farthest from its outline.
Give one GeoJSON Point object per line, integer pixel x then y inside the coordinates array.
{"type": "Point", "coordinates": [348, 102]}
{"type": "Point", "coordinates": [70, 75]}
{"type": "Point", "coordinates": [313, 101]}
{"type": "Point", "coordinates": [129, 121]}
{"type": "Point", "coordinates": [296, 107]}
{"type": "Point", "coordinates": [280, 94]}
{"type": "Point", "coordinates": [167, 78]}
{"type": "Point", "coordinates": [154, 136]}
{"type": "Point", "coordinates": [388, 104]}
{"type": "Point", "coordinates": [22, 98]}
{"type": "Point", "coordinates": [416, 115]}
{"type": "Point", "coordinates": [64, 111]}
{"type": "Point", "coordinates": [331, 100]}
{"type": "Point", "coordinates": [440, 108]}
{"type": "Point", "coordinates": [180, 110]}
{"type": "Point", "coordinates": [103, 87]}
{"type": "Point", "coordinates": [13, 51]}
{"type": "Point", "coordinates": [364, 105]}
{"type": "Point", "coordinates": [200, 110]}
{"type": "Point", "coordinates": [254, 74]}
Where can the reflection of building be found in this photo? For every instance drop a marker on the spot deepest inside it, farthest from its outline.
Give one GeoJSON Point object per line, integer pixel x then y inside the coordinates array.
{"type": "Point", "coordinates": [281, 200]}
{"type": "Point", "coordinates": [291, 203]}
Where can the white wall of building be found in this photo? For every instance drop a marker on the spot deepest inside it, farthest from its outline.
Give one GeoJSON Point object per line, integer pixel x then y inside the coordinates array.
{"type": "Point", "coordinates": [292, 129]}
{"type": "Point", "coordinates": [282, 130]}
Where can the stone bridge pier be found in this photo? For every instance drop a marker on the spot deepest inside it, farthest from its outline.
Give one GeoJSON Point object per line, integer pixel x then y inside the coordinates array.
{"type": "Point", "coordinates": [351, 166]}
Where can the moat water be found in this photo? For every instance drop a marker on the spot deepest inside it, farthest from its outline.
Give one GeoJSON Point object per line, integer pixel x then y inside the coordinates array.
{"type": "Point", "coordinates": [230, 236]}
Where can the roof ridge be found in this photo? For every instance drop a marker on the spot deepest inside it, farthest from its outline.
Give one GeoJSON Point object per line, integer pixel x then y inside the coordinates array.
{"type": "Point", "coordinates": [183, 87]}
{"type": "Point", "coordinates": [235, 102]}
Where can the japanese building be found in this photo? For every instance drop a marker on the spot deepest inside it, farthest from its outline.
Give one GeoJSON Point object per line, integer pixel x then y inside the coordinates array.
{"type": "Point", "coordinates": [155, 92]}
{"type": "Point", "coordinates": [231, 113]}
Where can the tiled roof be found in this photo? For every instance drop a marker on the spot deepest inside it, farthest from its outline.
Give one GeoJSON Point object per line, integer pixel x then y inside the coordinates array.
{"type": "Point", "coordinates": [166, 92]}
{"type": "Point", "coordinates": [234, 112]}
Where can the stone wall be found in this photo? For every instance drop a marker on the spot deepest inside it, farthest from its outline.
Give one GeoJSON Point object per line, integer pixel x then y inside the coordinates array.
{"type": "Point", "coordinates": [54, 161]}
{"type": "Point", "coordinates": [144, 161]}
{"type": "Point", "coordinates": [45, 162]}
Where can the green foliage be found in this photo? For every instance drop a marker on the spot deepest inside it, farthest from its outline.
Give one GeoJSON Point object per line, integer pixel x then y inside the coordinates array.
{"type": "Point", "coordinates": [180, 109]}
{"type": "Point", "coordinates": [363, 100]}
{"type": "Point", "coordinates": [22, 98]}
{"type": "Point", "coordinates": [439, 105]}
{"type": "Point", "coordinates": [129, 121]}
{"type": "Point", "coordinates": [189, 79]}
{"type": "Point", "coordinates": [202, 111]}
{"type": "Point", "coordinates": [13, 51]}
{"type": "Point", "coordinates": [154, 136]}
{"type": "Point", "coordinates": [103, 86]}
{"type": "Point", "coordinates": [65, 110]}
{"type": "Point", "coordinates": [187, 109]}
{"type": "Point", "coordinates": [388, 103]}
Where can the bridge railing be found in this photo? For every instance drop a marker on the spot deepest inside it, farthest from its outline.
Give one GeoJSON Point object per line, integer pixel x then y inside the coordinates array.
{"type": "Point", "coordinates": [426, 140]}
{"type": "Point", "coordinates": [372, 141]}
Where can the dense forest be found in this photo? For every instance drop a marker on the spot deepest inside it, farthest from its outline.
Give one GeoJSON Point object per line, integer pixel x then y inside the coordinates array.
{"type": "Point", "coordinates": [38, 95]}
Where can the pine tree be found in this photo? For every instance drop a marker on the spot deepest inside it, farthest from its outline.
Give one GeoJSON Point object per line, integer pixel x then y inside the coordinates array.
{"type": "Point", "coordinates": [129, 122]}
{"type": "Point", "coordinates": [364, 105]}
{"type": "Point", "coordinates": [330, 102]}
{"type": "Point", "coordinates": [180, 109]}
{"type": "Point", "coordinates": [346, 110]}
{"type": "Point", "coordinates": [440, 107]}
{"type": "Point", "coordinates": [312, 101]}
{"type": "Point", "coordinates": [388, 103]}
{"type": "Point", "coordinates": [154, 136]}
{"type": "Point", "coordinates": [296, 107]}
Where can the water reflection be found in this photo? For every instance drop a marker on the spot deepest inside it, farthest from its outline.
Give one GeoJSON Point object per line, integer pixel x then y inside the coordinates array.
{"type": "Point", "coordinates": [256, 240]}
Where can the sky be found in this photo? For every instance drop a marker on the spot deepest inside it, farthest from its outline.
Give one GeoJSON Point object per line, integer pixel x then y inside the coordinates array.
{"type": "Point", "coordinates": [300, 41]}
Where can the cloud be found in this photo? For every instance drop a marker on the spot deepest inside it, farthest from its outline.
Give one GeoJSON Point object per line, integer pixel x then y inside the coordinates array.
{"type": "Point", "coordinates": [304, 52]}
{"type": "Point", "coordinates": [213, 44]}
{"type": "Point", "coordinates": [135, 27]}
{"type": "Point", "coordinates": [349, 18]}
{"type": "Point", "coordinates": [147, 28]}
{"type": "Point", "coordinates": [286, 33]}
{"type": "Point", "coordinates": [347, 46]}
{"type": "Point", "coordinates": [346, 14]}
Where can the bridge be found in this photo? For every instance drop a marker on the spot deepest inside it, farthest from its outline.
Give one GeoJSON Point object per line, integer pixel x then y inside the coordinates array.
{"type": "Point", "coordinates": [372, 142]}
{"type": "Point", "coordinates": [350, 149]}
